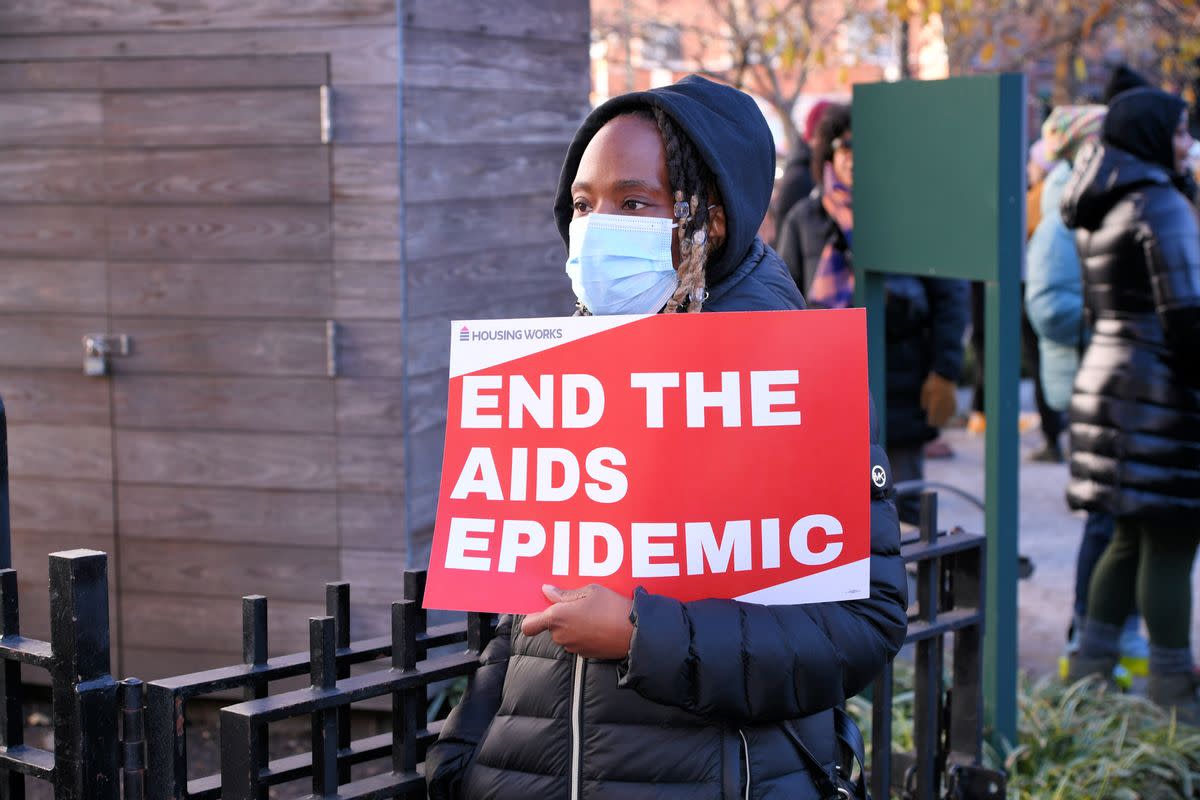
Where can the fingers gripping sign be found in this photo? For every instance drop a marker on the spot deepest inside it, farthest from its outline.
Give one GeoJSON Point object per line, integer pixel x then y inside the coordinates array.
{"type": "Point", "coordinates": [591, 621]}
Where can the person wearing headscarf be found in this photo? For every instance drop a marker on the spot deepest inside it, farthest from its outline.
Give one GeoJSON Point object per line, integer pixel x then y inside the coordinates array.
{"type": "Point", "coordinates": [1135, 407]}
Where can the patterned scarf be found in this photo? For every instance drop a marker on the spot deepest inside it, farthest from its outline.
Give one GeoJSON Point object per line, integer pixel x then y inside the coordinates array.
{"type": "Point", "coordinates": [833, 284]}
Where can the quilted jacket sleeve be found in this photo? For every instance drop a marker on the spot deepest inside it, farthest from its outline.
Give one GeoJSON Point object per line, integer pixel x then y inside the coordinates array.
{"type": "Point", "coordinates": [1053, 283]}
{"type": "Point", "coordinates": [1174, 261]}
{"type": "Point", "coordinates": [746, 662]}
{"type": "Point", "coordinates": [449, 757]}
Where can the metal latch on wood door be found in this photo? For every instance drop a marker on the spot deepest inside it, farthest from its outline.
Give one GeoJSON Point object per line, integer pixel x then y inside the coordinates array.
{"type": "Point", "coordinates": [98, 348]}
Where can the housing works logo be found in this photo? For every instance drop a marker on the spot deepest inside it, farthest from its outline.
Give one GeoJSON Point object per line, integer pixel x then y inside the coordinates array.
{"type": "Point", "coordinates": [465, 334]}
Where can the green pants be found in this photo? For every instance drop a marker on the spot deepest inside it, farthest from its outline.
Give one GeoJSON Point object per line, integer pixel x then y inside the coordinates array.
{"type": "Point", "coordinates": [1147, 566]}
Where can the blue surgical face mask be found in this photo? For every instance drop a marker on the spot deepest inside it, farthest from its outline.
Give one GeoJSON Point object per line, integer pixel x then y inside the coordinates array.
{"type": "Point", "coordinates": [621, 265]}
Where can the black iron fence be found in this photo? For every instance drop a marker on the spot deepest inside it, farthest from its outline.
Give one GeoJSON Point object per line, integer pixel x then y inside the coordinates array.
{"type": "Point", "coordinates": [130, 738]}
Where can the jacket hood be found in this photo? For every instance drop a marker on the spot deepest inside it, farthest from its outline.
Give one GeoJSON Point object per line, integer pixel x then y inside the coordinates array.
{"type": "Point", "coordinates": [1143, 122]}
{"type": "Point", "coordinates": [729, 133]}
{"type": "Point", "coordinates": [1103, 175]}
{"type": "Point", "coordinates": [1122, 79]}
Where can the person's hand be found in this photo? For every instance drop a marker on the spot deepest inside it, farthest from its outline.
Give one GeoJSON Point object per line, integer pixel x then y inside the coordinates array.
{"type": "Point", "coordinates": [939, 400]}
{"type": "Point", "coordinates": [592, 621]}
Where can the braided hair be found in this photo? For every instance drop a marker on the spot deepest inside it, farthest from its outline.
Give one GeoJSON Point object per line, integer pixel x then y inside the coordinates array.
{"type": "Point", "coordinates": [694, 190]}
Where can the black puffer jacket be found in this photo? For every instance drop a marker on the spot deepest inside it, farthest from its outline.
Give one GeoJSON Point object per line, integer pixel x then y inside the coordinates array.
{"type": "Point", "coordinates": [697, 710]}
{"type": "Point", "coordinates": [1135, 409]}
{"type": "Point", "coordinates": [925, 318]}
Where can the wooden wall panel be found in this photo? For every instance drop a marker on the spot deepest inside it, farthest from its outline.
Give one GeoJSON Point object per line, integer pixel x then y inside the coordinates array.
{"type": "Point", "coordinates": [213, 625]}
{"type": "Point", "coordinates": [52, 287]}
{"type": "Point", "coordinates": [368, 289]}
{"type": "Point", "coordinates": [213, 233]}
{"type": "Point", "coordinates": [449, 59]}
{"type": "Point", "coordinates": [377, 576]}
{"type": "Point", "coordinates": [364, 114]}
{"type": "Point", "coordinates": [54, 397]}
{"type": "Point", "coordinates": [366, 232]}
{"type": "Point", "coordinates": [370, 407]}
{"type": "Point", "coordinates": [452, 172]}
{"type": "Point", "coordinates": [370, 463]}
{"type": "Point", "coordinates": [369, 173]}
{"type": "Point", "coordinates": [279, 175]}
{"type": "Point", "coordinates": [40, 342]}
{"type": "Point", "coordinates": [281, 517]}
{"type": "Point", "coordinates": [291, 290]}
{"type": "Point", "coordinates": [372, 521]}
{"type": "Point", "coordinates": [568, 22]}
{"type": "Point", "coordinates": [30, 176]}
{"type": "Point", "coordinates": [357, 54]}
{"type": "Point", "coordinates": [53, 451]}
{"type": "Point", "coordinates": [232, 460]}
{"type": "Point", "coordinates": [164, 73]}
{"type": "Point", "coordinates": [233, 117]}
{"type": "Point", "coordinates": [48, 119]}
{"type": "Point", "coordinates": [224, 347]}
{"type": "Point", "coordinates": [462, 228]}
{"type": "Point", "coordinates": [223, 569]}
{"type": "Point", "coordinates": [53, 232]}
{"type": "Point", "coordinates": [54, 16]}
{"type": "Point", "coordinates": [56, 506]}
{"type": "Point", "coordinates": [275, 405]}
{"type": "Point", "coordinates": [370, 350]}
{"type": "Point", "coordinates": [457, 287]}
{"type": "Point", "coordinates": [486, 118]}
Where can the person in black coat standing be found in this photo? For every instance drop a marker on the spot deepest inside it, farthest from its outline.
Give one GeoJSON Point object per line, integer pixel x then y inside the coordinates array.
{"type": "Point", "coordinates": [925, 317]}
{"type": "Point", "coordinates": [606, 696]}
{"type": "Point", "coordinates": [1135, 407]}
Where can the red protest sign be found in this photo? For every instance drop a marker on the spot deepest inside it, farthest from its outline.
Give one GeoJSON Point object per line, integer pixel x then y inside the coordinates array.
{"type": "Point", "coordinates": [697, 455]}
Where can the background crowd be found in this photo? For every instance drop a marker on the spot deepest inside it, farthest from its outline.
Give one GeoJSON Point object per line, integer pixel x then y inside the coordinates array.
{"type": "Point", "coordinates": [1110, 332]}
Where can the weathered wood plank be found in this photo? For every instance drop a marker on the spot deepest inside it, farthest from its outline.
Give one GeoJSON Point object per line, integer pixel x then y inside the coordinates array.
{"type": "Point", "coordinates": [370, 349]}
{"type": "Point", "coordinates": [459, 286]}
{"type": "Point", "coordinates": [50, 176]}
{"type": "Point", "coordinates": [55, 397]}
{"type": "Point", "coordinates": [47, 119]}
{"type": "Point", "coordinates": [290, 290]}
{"type": "Point", "coordinates": [213, 233]}
{"type": "Point", "coordinates": [239, 72]}
{"type": "Point", "coordinates": [235, 460]}
{"type": "Point", "coordinates": [225, 569]}
{"type": "Point", "coordinates": [68, 287]}
{"type": "Point", "coordinates": [452, 59]}
{"type": "Point", "coordinates": [368, 290]}
{"type": "Point", "coordinates": [468, 116]}
{"type": "Point", "coordinates": [70, 16]}
{"type": "Point", "coordinates": [78, 452]}
{"type": "Point", "coordinates": [462, 227]}
{"type": "Point", "coordinates": [280, 175]}
{"type": "Point", "coordinates": [214, 625]}
{"type": "Point", "coordinates": [42, 342]}
{"type": "Point", "coordinates": [364, 114]}
{"type": "Point", "coordinates": [304, 518]}
{"type": "Point", "coordinates": [275, 405]}
{"type": "Point", "coordinates": [234, 117]}
{"type": "Point", "coordinates": [452, 172]}
{"type": "Point", "coordinates": [165, 73]}
{"type": "Point", "coordinates": [358, 54]}
{"type": "Point", "coordinates": [223, 347]}
{"type": "Point", "coordinates": [366, 231]}
{"type": "Point", "coordinates": [376, 576]}
{"type": "Point", "coordinates": [370, 463]}
{"type": "Point", "coordinates": [367, 173]}
{"type": "Point", "coordinates": [372, 521]}
{"type": "Point", "coordinates": [76, 507]}
{"type": "Point", "coordinates": [52, 232]}
{"type": "Point", "coordinates": [538, 19]}
{"type": "Point", "coordinates": [370, 407]}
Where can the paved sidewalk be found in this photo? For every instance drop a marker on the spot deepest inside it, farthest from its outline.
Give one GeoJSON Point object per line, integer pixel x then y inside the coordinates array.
{"type": "Point", "coordinates": [1049, 535]}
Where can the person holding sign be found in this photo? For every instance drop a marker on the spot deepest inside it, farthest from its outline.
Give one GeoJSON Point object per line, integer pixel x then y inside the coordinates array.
{"type": "Point", "coordinates": [603, 695]}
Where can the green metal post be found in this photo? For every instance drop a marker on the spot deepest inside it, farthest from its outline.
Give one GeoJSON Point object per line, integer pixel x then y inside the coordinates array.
{"type": "Point", "coordinates": [869, 293]}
